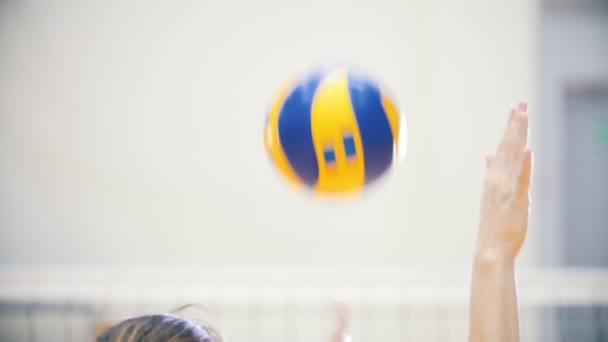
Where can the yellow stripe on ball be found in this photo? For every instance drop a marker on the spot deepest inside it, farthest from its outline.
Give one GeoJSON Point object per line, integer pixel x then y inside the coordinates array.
{"type": "Point", "coordinates": [333, 120]}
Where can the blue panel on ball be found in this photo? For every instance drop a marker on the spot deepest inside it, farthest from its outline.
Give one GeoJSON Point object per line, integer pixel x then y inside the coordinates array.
{"type": "Point", "coordinates": [349, 147]}
{"type": "Point", "coordinates": [375, 130]}
{"type": "Point", "coordinates": [330, 156]}
{"type": "Point", "coordinates": [295, 132]}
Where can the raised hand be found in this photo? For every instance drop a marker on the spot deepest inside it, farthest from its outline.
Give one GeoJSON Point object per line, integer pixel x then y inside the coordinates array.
{"type": "Point", "coordinates": [502, 231]}
{"type": "Point", "coordinates": [505, 202]}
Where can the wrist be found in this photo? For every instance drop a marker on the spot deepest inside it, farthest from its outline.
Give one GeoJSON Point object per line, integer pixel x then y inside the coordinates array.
{"type": "Point", "coordinates": [493, 258]}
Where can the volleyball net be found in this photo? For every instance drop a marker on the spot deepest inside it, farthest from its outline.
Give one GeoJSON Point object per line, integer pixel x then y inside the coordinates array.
{"type": "Point", "coordinates": [69, 304]}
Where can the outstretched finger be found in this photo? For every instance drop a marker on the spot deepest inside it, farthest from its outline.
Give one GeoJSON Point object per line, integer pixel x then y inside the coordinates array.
{"type": "Point", "coordinates": [515, 136]}
{"type": "Point", "coordinates": [526, 172]}
{"type": "Point", "coordinates": [522, 106]}
{"type": "Point", "coordinates": [511, 149]}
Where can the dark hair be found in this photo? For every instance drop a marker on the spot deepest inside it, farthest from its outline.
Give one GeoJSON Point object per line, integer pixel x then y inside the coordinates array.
{"type": "Point", "coordinates": [158, 328]}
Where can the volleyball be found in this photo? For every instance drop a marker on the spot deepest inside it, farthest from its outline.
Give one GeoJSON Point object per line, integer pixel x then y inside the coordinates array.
{"type": "Point", "coordinates": [334, 131]}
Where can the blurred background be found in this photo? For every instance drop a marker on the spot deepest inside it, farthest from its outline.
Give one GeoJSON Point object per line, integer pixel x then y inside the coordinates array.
{"type": "Point", "coordinates": [133, 176]}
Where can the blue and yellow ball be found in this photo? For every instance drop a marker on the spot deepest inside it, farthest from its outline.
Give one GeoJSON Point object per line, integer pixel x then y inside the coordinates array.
{"type": "Point", "coordinates": [335, 131]}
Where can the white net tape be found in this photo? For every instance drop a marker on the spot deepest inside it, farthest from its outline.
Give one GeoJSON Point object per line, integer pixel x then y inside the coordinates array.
{"type": "Point", "coordinates": [259, 305]}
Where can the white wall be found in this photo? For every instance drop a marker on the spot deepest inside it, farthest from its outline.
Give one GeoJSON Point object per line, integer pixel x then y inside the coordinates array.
{"type": "Point", "coordinates": [131, 132]}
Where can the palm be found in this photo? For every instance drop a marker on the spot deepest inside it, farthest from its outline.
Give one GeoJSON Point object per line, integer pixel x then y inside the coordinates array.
{"type": "Point", "coordinates": [505, 202]}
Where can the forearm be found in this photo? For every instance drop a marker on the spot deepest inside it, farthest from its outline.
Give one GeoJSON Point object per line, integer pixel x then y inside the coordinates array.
{"type": "Point", "coordinates": [494, 313]}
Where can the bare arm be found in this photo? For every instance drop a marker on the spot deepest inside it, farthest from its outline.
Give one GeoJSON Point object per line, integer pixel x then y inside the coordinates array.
{"type": "Point", "coordinates": [494, 315]}
{"type": "Point", "coordinates": [502, 231]}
